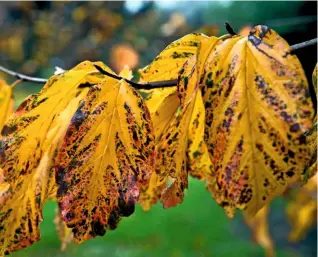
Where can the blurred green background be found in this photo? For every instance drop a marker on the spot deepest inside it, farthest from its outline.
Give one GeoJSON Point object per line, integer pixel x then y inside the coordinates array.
{"type": "Point", "coordinates": [37, 36]}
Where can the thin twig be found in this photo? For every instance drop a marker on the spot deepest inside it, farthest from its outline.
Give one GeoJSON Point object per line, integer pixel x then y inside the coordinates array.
{"type": "Point", "coordinates": [304, 44]}
{"type": "Point", "coordinates": [22, 77]}
{"type": "Point", "coordinates": [148, 85]}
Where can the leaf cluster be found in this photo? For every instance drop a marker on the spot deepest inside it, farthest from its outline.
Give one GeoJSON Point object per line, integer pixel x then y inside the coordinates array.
{"type": "Point", "coordinates": [240, 119]}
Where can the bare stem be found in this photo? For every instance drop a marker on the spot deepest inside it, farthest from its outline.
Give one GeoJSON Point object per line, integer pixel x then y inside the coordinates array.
{"type": "Point", "coordinates": [148, 85]}
{"type": "Point", "coordinates": [22, 77]}
{"type": "Point", "coordinates": [304, 44]}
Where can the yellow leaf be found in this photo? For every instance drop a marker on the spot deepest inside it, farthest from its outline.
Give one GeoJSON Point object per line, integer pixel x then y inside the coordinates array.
{"type": "Point", "coordinates": [106, 158]}
{"type": "Point", "coordinates": [6, 105]}
{"type": "Point", "coordinates": [28, 148]}
{"type": "Point", "coordinates": [311, 137]}
{"type": "Point", "coordinates": [172, 149]}
{"type": "Point", "coordinates": [314, 79]}
{"type": "Point", "coordinates": [179, 135]}
{"type": "Point", "coordinates": [257, 108]}
{"type": "Point", "coordinates": [199, 163]}
{"type": "Point", "coordinates": [259, 226]}
{"type": "Point", "coordinates": [65, 234]}
{"type": "Point", "coordinates": [167, 65]}
{"type": "Point", "coordinates": [151, 195]}
{"type": "Point", "coordinates": [162, 104]}
{"type": "Point", "coordinates": [302, 210]}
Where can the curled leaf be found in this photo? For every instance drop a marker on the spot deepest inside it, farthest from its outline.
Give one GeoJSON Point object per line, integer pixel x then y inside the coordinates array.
{"type": "Point", "coordinates": [162, 104]}
{"type": "Point", "coordinates": [259, 226]}
{"type": "Point", "coordinates": [173, 162]}
{"type": "Point", "coordinates": [105, 159]}
{"type": "Point", "coordinates": [311, 138]}
{"type": "Point", "coordinates": [173, 146]}
{"type": "Point", "coordinates": [199, 163]}
{"type": "Point", "coordinates": [28, 147]}
{"type": "Point", "coordinates": [258, 107]}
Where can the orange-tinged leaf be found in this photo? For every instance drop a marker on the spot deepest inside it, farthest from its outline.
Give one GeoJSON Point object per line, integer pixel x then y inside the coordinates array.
{"type": "Point", "coordinates": [151, 195]}
{"type": "Point", "coordinates": [172, 149]}
{"type": "Point", "coordinates": [302, 210]}
{"type": "Point", "coordinates": [171, 152]}
{"type": "Point", "coordinates": [163, 103]}
{"type": "Point", "coordinates": [258, 107]}
{"type": "Point", "coordinates": [178, 132]}
{"type": "Point", "coordinates": [6, 106]}
{"type": "Point", "coordinates": [28, 147]}
{"type": "Point", "coordinates": [311, 137]}
{"type": "Point", "coordinates": [106, 158]}
{"type": "Point", "coordinates": [65, 234]}
{"type": "Point", "coordinates": [259, 226]}
{"type": "Point", "coordinates": [167, 65]}
{"type": "Point", "coordinates": [314, 79]}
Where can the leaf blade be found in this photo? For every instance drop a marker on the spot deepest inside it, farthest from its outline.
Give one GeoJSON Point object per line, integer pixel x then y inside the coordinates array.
{"type": "Point", "coordinates": [247, 114]}
{"type": "Point", "coordinates": [94, 192]}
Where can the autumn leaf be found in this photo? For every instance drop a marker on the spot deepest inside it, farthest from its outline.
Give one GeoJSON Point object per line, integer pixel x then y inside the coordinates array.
{"type": "Point", "coordinates": [259, 226]}
{"type": "Point", "coordinates": [163, 103]}
{"type": "Point", "coordinates": [6, 108]}
{"type": "Point", "coordinates": [171, 151]}
{"type": "Point", "coordinates": [65, 234]}
{"type": "Point", "coordinates": [6, 105]}
{"type": "Point", "coordinates": [314, 79]}
{"type": "Point", "coordinates": [105, 159]}
{"type": "Point", "coordinates": [302, 210]}
{"type": "Point", "coordinates": [258, 107]}
{"type": "Point", "coordinates": [28, 147]}
{"type": "Point", "coordinates": [181, 136]}
{"type": "Point", "coordinates": [199, 163]}
{"type": "Point", "coordinates": [167, 65]}
{"type": "Point", "coordinates": [311, 138]}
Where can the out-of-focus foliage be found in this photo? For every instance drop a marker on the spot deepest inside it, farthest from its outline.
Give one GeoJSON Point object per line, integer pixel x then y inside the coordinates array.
{"type": "Point", "coordinates": [302, 210]}
{"type": "Point", "coordinates": [259, 226]}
